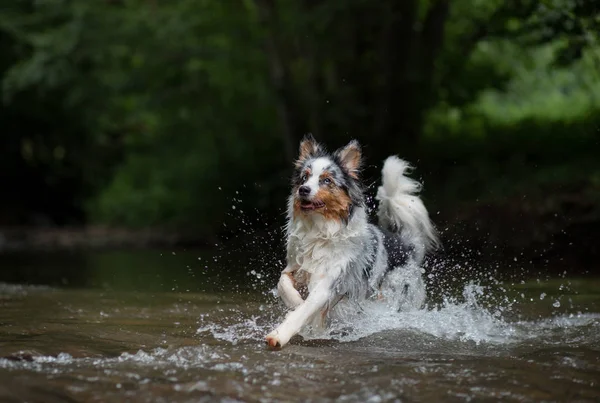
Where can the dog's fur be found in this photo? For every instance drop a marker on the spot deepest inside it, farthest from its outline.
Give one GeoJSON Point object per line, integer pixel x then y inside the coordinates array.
{"type": "Point", "coordinates": [332, 250]}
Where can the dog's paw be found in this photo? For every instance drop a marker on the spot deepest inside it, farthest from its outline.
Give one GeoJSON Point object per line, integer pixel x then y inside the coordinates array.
{"type": "Point", "coordinates": [273, 341]}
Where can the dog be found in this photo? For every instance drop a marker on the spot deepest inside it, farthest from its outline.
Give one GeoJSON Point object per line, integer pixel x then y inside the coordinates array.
{"type": "Point", "coordinates": [333, 252]}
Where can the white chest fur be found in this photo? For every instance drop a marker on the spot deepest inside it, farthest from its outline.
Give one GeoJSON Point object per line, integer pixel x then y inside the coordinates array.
{"type": "Point", "coordinates": [323, 248]}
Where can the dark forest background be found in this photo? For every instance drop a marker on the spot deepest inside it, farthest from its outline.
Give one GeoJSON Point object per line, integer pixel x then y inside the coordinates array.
{"type": "Point", "coordinates": [162, 115]}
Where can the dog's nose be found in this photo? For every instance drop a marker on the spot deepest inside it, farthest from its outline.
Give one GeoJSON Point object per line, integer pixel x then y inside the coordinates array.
{"type": "Point", "coordinates": [304, 191]}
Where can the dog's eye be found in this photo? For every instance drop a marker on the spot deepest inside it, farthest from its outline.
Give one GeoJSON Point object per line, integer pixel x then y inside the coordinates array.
{"type": "Point", "coordinates": [304, 177]}
{"type": "Point", "coordinates": [327, 181]}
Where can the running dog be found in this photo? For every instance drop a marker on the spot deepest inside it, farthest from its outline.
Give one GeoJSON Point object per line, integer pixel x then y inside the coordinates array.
{"type": "Point", "coordinates": [333, 252]}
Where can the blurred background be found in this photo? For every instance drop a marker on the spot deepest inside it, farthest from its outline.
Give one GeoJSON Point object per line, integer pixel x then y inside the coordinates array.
{"type": "Point", "coordinates": [173, 124]}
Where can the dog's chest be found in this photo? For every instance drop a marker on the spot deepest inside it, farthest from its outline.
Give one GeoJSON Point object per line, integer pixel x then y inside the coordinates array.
{"type": "Point", "coordinates": [320, 257]}
{"type": "Point", "coordinates": [323, 250]}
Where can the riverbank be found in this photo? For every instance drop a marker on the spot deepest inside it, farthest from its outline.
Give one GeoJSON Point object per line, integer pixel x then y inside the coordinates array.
{"type": "Point", "coordinates": [544, 229]}
{"type": "Point", "coordinates": [91, 237]}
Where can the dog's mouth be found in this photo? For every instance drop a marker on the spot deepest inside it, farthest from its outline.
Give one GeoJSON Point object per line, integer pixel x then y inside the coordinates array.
{"type": "Point", "coordinates": [309, 205]}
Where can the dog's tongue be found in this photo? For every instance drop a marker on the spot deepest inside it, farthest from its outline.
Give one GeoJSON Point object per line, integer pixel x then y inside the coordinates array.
{"type": "Point", "coordinates": [311, 205]}
{"type": "Point", "coordinates": [307, 205]}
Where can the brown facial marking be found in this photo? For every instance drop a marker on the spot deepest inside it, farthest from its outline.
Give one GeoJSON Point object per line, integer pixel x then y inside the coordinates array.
{"type": "Point", "coordinates": [326, 175]}
{"type": "Point", "coordinates": [337, 203]}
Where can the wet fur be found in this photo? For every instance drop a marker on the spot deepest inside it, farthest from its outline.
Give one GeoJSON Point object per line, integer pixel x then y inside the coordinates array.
{"type": "Point", "coordinates": [332, 250]}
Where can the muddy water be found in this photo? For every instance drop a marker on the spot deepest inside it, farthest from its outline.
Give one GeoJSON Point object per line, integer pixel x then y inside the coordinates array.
{"type": "Point", "coordinates": [148, 328]}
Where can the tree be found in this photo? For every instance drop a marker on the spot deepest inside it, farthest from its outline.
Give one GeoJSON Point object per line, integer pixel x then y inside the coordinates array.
{"type": "Point", "coordinates": [138, 112]}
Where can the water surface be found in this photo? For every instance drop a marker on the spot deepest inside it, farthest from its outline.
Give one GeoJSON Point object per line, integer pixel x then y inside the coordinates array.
{"type": "Point", "coordinates": [158, 326]}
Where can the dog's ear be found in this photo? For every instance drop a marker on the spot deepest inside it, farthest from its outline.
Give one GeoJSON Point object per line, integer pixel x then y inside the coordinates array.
{"type": "Point", "coordinates": [350, 158]}
{"type": "Point", "coordinates": [308, 148]}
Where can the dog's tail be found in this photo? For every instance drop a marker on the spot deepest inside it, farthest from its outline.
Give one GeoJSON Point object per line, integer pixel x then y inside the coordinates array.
{"type": "Point", "coordinates": [402, 211]}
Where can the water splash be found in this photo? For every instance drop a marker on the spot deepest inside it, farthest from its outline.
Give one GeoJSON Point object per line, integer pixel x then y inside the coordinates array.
{"type": "Point", "coordinates": [452, 320]}
{"type": "Point", "coordinates": [248, 329]}
{"type": "Point", "coordinates": [474, 317]}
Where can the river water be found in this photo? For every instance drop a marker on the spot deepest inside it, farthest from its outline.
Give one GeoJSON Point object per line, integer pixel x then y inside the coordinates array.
{"type": "Point", "coordinates": [166, 327]}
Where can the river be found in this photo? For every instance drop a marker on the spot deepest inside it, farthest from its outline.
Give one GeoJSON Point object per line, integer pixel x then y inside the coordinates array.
{"type": "Point", "coordinates": [189, 326]}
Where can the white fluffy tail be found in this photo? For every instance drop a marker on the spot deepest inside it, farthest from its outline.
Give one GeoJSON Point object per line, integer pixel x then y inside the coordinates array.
{"type": "Point", "coordinates": [401, 210]}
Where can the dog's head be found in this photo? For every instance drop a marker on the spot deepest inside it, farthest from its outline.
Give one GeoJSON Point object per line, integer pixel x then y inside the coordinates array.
{"type": "Point", "coordinates": [327, 184]}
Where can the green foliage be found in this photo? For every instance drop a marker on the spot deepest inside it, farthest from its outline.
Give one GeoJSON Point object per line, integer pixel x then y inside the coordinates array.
{"type": "Point", "coordinates": [173, 88]}
{"type": "Point", "coordinates": [143, 110]}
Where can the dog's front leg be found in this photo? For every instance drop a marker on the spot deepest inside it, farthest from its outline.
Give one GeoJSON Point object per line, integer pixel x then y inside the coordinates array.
{"type": "Point", "coordinates": [286, 290]}
{"type": "Point", "coordinates": [296, 319]}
